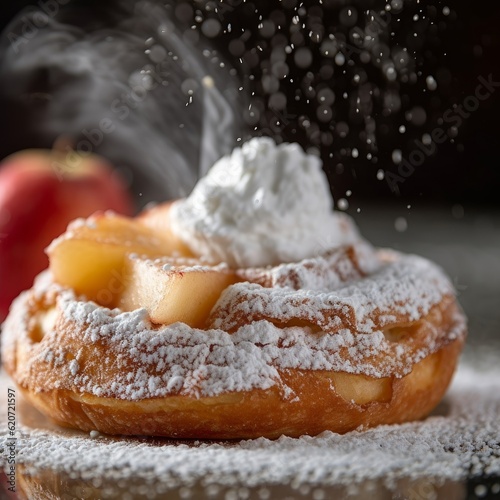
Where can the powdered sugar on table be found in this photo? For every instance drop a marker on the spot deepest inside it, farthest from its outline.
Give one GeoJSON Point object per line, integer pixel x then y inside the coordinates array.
{"type": "Point", "coordinates": [461, 440]}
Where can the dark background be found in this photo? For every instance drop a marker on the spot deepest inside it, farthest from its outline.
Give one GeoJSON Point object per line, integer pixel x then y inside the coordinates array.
{"type": "Point", "coordinates": [447, 210]}
{"type": "Point", "coordinates": [456, 49]}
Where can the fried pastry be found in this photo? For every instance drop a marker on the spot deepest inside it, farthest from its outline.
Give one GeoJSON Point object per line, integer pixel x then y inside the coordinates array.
{"type": "Point", "coordinates": [142, 328]}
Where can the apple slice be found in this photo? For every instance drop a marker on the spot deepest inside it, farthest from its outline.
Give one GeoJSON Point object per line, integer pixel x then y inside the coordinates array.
{"type": "Point", "coordinates": [157, 217]}
{"type": "Point", "coordinates": [89, 257]}
{"type": "Point", "coordinates": [41, 191]}
{"type": "Point", "coordinates": [173, 290]}
{"type": "Point", "coordinates": [361, 389]}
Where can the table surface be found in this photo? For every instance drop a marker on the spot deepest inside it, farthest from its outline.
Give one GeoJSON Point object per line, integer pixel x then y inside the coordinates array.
{"type": "Point", "coordinates": [468, 248]}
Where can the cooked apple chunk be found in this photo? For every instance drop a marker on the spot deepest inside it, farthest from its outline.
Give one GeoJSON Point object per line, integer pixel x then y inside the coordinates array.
{"type": "Point", "coordinates": [174, 290]}
{"type": "Point", "coordinates": [90, 256]}
{"type": "Point", "coordinates": [361, 389]}
{"type": "Point", "coordinates": [157, 217]}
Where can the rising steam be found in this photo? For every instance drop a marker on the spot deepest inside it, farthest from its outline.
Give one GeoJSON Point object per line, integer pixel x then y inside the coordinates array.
{"type": "Point", "coordinates": [134, 87]}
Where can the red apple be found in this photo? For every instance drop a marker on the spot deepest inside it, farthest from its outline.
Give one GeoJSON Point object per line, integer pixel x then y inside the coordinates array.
{"type": "Point", "coordinates": [41, 191]}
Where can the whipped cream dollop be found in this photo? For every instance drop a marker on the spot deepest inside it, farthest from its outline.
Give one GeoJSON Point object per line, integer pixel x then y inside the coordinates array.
{"type": "Point", "coordinates": [261, 205]}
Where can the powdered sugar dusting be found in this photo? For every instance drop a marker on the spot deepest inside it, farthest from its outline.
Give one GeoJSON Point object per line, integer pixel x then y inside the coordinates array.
{"type": "Point", "coordinates": [324, 272]}
{"type": "Point", "coordinates": [409, 286]}
{"type": "Point", "coordinates": [248, 342]}
{"type": "Point", "coordinates": [176, 359]}
{"type": "Point", "coordinates": [186, 265]}
{"type": "Point", "coordinates": [461, 441]}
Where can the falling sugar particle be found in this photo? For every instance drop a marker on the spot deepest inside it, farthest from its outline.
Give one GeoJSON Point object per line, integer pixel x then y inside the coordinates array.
{"type": "Point", "coordinates": [280, 70]}
{"type": "Point", "coordinates": [303, 57]}
{"type": "Point", "coordinates": [397, 156]}
{"type": "Point", "coordinates": [431, 83]}
{"type": "Point", "coordinates": [157, 53]}
{"type": "Point", "coordinates": [396, 5]}
{"type": "Point", "coordinates": [211, 27]}
{"type": "Point", "coordinates": [328, 49]}
{"type": "Point", "coordinates": [189, 86]}
{"type": "Point", "coordinates": [426, 139]}
{"type": "Point", "coordinates": [287, 42]}
{"type": "Point", "coordinates": [277, 101]}
{"type": "Point", "coordinates": [481, 491]}
{"type": "Point", "coordinates": [390, 73]}
{"type": "Point", "coordinates": [326, 96]}
{"type": "Point", "coordinates": [401, 224]}
{"type": "Point", "coordinates": [324, 113]}
{"type": "Point", "coordinates": [208, 82]}
{"type": "Point", "coordinates": [342, 204]}
{"type": "Point", "coordinates": [348, 16]}
{"type": "Point", "coordinates": [342, 129]}
{"type": "Point", "coordinates": [339, 59]}
{"type": "Point", "coordinates": [380, 174]}
{"type": "Point", "coordinates": [446, 11]}
{"type": "Point", "coordinates": [417, 116]}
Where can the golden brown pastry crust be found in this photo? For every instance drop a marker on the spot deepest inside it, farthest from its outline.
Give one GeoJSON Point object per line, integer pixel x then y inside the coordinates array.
{"type": "Point", "coordinates": [322, 399]}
